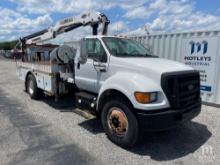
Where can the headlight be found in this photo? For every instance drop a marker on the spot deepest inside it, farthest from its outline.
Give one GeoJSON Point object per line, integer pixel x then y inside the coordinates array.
{"type": "Point", "coordinates": [145, 97]}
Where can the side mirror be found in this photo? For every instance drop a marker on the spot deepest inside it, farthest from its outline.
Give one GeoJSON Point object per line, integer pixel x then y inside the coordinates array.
{"type": "Point", "coordinates": [83, 52]}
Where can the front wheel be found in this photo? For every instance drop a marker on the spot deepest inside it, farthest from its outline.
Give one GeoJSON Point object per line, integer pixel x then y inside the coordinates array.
{"type": "Point", "coordinates": [120, 123]}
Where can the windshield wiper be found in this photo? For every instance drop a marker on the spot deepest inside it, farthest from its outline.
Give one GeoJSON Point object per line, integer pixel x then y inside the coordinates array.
{"type": "Point", "coordinates": [143, 55]}
{"type": "Point", "coordinates": [149, 55]}
{"type": "Point", "coordinates": [123, 54]}
{"type": "Point", "coordinates": [134, 55]}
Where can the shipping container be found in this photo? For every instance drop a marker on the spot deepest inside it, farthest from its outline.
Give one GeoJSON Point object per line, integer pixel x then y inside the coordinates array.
{"type": "Point", "coordinates": [199, 49]}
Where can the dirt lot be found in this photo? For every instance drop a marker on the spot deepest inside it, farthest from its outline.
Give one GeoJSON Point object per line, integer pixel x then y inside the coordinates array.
{"type": "Point", "coordinates": [46, 132]}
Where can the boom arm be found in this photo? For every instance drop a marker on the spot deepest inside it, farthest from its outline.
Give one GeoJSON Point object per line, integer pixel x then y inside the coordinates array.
{"type": "Point", "coordinates": [94, 19]}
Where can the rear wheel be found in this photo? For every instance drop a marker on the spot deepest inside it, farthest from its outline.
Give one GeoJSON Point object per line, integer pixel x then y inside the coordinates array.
{"type": "Point", "coordinates": [120, 123]}
{"type": "Point", "coordinates": [31, 87]}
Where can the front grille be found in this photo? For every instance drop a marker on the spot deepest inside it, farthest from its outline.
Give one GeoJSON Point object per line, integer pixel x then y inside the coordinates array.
{"type": "Point", "coordinates": [181, 88]}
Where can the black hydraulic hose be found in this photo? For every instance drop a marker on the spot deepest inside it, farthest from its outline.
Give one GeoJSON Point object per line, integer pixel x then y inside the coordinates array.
{"type": "Point", "coordinates": [72, 67]}
{"type": "Point", "coordinates": [57, 81]}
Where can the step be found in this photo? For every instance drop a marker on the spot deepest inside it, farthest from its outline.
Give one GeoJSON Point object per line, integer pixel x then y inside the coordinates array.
{"type": "Point", "coordinates": [86, 95]}
{"type": "Point", "coordinates": [85, 100]}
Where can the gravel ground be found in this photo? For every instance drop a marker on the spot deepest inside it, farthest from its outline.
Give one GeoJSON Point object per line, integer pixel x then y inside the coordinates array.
{"type": "Point", "coordinates": [46, 132]}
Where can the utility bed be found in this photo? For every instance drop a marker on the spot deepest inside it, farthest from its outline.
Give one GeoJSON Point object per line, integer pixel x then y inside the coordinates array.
{"type": "Point", "coordinates": [47, 70]}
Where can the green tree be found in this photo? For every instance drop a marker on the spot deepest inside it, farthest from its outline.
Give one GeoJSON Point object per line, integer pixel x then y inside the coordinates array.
{"type": "Point", "coordinates": [8, 45]}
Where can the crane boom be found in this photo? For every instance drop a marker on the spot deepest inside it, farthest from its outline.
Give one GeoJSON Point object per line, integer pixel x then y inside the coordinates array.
{"type": "Point", "coordinates": [94, 19]}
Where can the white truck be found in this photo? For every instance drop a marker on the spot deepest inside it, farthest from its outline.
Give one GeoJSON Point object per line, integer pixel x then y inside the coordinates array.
{"type": "Point", "coordinates": [129, 88]}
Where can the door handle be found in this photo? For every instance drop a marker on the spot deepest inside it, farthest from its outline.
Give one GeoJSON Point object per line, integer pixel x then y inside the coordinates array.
{"type": "Point", "coordinates": [100, 67]}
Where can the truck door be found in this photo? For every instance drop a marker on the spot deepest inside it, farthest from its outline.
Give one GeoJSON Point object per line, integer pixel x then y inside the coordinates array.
{"type": "Point", "coordinates": [90, 75]}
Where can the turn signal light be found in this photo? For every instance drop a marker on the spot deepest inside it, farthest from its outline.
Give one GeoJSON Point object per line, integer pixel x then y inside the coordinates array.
{"type": "Point", "coordinates": [145, 98]}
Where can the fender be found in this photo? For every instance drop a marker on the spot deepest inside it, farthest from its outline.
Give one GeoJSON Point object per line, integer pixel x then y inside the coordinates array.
{"type": "Point", "coordinates": [128, 83]}
{"type": "Point", "coordinates": [27, 73]}
{"type": "Point", "coordinates": [23, 72]}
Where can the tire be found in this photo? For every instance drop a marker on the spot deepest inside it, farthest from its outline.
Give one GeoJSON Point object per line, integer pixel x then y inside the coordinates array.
{"type": "Point", "coordinates": [128, 135]}
{"type": "Point", "coordinates": [31, 87]}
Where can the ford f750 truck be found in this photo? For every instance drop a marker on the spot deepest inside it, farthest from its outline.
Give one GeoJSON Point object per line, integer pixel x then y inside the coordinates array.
{"type": "Point", "coordinates": [129, 88]}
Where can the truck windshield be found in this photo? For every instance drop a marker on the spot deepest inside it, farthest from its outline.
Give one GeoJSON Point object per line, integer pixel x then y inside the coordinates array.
{"type": "Point", "coordinates": [122, 47]}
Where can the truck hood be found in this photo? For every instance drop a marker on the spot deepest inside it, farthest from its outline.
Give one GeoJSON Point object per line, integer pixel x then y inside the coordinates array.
{"type": "Point", "coordinates": [150, 67]}
{"type": "Point", "coordinates": [158, 65]}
